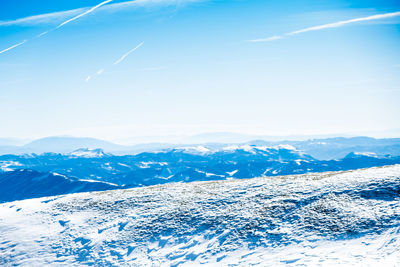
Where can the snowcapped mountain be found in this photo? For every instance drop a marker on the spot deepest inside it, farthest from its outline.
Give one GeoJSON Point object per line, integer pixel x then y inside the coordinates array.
{"type": "Point", "coordinates": [322, 149]}
{"type": "Point", "coordinates": [189, 164]}
{"type": "Point", "coordinates": [339, 147]}
{"type": "Point", "coordinates": [345, 218]}
{"type": "Point", "coordinates": [88, 153]}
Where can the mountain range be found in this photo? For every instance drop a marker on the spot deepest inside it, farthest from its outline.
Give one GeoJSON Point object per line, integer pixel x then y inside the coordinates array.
{"type": "Point", "coordinates": [84, 169]}
{"type": "Point", "coordinates": [322, 149]}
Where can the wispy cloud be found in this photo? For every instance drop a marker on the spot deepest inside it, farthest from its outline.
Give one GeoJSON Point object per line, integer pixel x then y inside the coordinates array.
{"type": "Point", "coordinates": [328, 26]}
{"type": "Point", "coordinates": [60, 25]}
{"type": "Point", "coordinates": [59, 17]}
{"type": "Point", "coordinates": [13, 46]}
{"type": "Point", "coordinates": [54, 17]}
{"type": "Point", "coordinates": [127, 53]}
{"type": "Point", "coordinates": [80, 12]}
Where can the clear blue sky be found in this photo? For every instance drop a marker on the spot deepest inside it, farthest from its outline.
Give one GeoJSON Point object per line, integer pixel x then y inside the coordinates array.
{"type": "Point", "coordinates": [203, 66]}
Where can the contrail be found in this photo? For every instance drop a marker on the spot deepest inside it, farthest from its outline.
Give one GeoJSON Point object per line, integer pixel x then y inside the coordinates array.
{"type": "Point", "coordinates": [327, 26]}
{"type": "Point", "coordinates": [127, 54]}
{"type": "Point", "coordinates": [100, 71]}
{"type": "Point", "coordinates": [57, 16]}
{"type": "Point", "coordinates": [84, 13]}
{"type": "Point", "coordinates": [43, 33]}
{"type": "Point", "coordinates": [42, 18]}
{"type": "Point", "coordinates": [74, 18]}
{"type": "Point", "coordinates": [14, 46]}
{"type": "Point", "coordinates": [59, 26]}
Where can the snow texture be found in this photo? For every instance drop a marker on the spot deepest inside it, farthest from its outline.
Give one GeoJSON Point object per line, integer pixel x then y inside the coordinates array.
{"type": "Point", "coordinates": [335, 218]}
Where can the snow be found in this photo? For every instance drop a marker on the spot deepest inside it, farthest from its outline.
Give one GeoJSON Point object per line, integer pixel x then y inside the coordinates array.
{"type": "Point", "coordinates": [87, 153]}
{"type": "Point", "coordinates": [368, 154]}
{"type": "Point", "coordinates": [197, 149]}
{"type": "Point", "coordinates": [209, 174]}
{"type": "Point", "coordinates": [288, 147]}
{"type": "Point", "coordinates": [96, 181]}
{"type": "Point", "coordinates": [334, 218]}
{"type": "Point", "coordinates": [124, 165]}
{"type": "Point", "coordinates": [61, 175]}
{"type": "Point", "coordinates": [253, 148]}
{"type": "Point", "coordinates": [232, 172]}
{"type": "Point", "coordinates": [265, 148]}
{"type": "Point", "coordinates": [7, 166]}
{"type": "Point", "coordinates": [247, 148]}
{"type": "Point", "coordinates": [107, 166]}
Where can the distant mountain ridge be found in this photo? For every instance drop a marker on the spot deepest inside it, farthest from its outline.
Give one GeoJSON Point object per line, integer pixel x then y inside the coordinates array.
{"type": "Point", "coordinates": [88, 153]}
{"type": "Point", "coordinates": [63, 165]}
{"type": "Point", "coordinates": [68, 144]}
{"type": "Point", "coordinates": [196, 163]}
{"type": "Point", "coordinates": [322, 149]}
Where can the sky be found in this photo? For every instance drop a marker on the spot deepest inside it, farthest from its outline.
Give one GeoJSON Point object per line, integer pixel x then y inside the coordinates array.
{"type": "Point", "coordinates": [120, 69]}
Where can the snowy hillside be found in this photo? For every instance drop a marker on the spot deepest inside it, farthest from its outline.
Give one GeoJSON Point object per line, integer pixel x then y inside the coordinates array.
{"type": "Point", "coordinates": [326, 218]}
{"type": "Point", "coordinates": [23, 184]}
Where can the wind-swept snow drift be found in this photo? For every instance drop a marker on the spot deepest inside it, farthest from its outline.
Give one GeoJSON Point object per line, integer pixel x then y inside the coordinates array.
{"type": "Point", "coordinates": [327, 218]}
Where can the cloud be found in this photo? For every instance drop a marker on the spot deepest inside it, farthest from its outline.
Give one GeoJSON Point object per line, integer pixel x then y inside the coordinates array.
{"type": "Point", "coordinates": [80, 12]}
{"type": "Point", "coordinates": [127, 53]}
{"type": "Point", "coordinates": [13, 46]}
{"type": "Point", "coordinates": [59, 17]}
{"type": "Point", "coordinates": [43, 18]}
{"type": "Point", "coordinates": [59, 26]}
{"type": "Point", "coordinates": [328, 26]}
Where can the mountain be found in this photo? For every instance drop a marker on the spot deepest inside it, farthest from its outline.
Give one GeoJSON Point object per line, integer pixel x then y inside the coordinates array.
{"type": "Point", "coordinates": [339, 147]}
{"type": "Point", "coordinates": [188, 164]}
{"type": "Point", "coordinates": [88, 153]}
{"type": "Point", "coordinates": [219, 137]}
{"type": "Point", "coordinates": [346, 218]}
{"type": "Point", "coordinates": [24, 183]}
{"type": "Point", "coordinates": [322, 149]}
{"type": "Point", "coordinates": [68, 144]}
{"type": "Point", "coordinates": [334, 148]}
{"type": "Point", "coordinates": [229, 137]}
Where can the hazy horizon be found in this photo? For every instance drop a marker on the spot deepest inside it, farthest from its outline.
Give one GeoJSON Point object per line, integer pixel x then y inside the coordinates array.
{"type": "Point", "coordinates": [210, 137]}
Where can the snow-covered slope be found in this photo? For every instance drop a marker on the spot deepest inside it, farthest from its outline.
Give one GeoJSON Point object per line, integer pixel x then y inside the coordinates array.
{"type": "Point", "coordinates": [25, 183]}
{"type": "Point", "coordinates": [350, 218]}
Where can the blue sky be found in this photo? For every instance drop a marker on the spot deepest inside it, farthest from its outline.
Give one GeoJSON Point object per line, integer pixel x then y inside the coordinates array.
{"type": "Point", "coordinates": [199, 66]}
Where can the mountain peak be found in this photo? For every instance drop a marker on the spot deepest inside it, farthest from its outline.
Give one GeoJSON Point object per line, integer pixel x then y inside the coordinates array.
{"type": "Point", "coordinates": [88, 153]}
